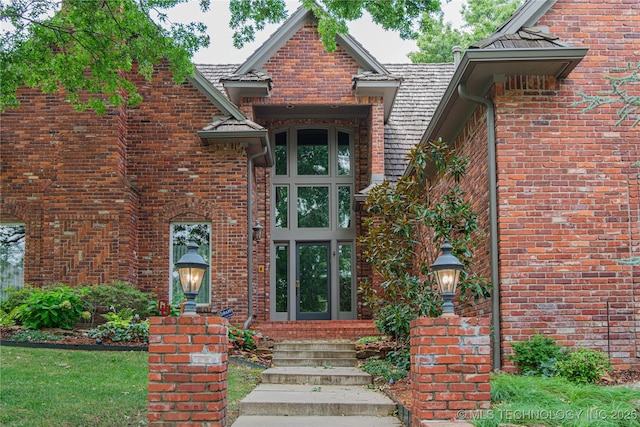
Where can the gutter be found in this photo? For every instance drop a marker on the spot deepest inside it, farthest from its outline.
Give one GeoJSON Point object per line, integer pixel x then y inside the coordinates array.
{"type": "Point", "coordinates": [250, 160]}
{"type": "Point", "coordinates": [493, 220]}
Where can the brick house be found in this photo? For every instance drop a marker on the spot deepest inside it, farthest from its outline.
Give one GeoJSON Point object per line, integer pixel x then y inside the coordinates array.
{"type": "Point", "coordinates": [291, 140]}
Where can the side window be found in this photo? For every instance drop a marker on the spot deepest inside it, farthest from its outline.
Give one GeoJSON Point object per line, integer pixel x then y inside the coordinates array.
{"type": "Point", "coordinates": [181, 234]}
{"type": "Point", "coordinates": [12, 240]}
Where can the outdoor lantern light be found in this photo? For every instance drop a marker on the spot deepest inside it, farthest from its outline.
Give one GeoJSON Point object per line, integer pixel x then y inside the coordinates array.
{"type": "Point", "coordinates": [191, 268]}
{"type": "Point", "coordinates": [257, 232]}
{"type": "Point", "coordinates": [447, 270]}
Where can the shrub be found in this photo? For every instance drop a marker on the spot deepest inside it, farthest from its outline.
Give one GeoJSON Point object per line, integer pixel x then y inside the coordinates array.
{"type": "Point", "coordinates": [117, 296]}
{"type": "Point", "coordinates": [122, 326]}
{"type": "Point", "coordinates": [537, 356]}
{"type": "Point", "coordinates": [394, 320]}
{"type": "Point", "coordinates": [59, 307]}
{"type": "Point", "coordinates": [383, 369]}
{"type": "Point", "coordinates": [8, 319]}
{"type": "Point", "coordinates": [243, 339]}
{"type": "Point", "coordinates": [584, 366]}
{"type": "Point", "coordinates": [15, 297]}
{"type": "Point", "coordinates": [153, 309]}
{"type": "Point", "coordinates": [400, 358]}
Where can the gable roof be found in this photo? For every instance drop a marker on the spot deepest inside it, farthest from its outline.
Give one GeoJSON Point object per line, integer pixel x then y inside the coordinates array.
{"type": "Point", "coordinates": [233, 125]}
{"type": "Point", "coordinates": [515, 49]}
{"type": "Point", "coordinates": [416, 100]}
{"type": "Point", "coordinates": [258, 58]}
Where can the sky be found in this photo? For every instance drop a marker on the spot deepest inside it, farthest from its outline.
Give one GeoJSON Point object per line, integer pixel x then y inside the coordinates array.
{"type": "Point", "coordinates": [386, 46]}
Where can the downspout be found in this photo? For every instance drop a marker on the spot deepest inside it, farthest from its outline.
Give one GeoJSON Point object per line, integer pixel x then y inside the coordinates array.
{"type": "Point", "coordinates": [493, 219]}
{"type": "Point", "coordinates": [250, 160]}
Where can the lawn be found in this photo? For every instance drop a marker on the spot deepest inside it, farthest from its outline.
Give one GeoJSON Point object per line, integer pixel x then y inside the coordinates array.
{"type": "Point", "coordinates": [539, 401]}
{"type": "Point", "coordinates": [44, 388]}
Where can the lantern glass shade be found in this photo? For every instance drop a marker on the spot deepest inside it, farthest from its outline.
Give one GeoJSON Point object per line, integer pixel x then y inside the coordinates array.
{"type": "Point", "coordinates": [447, 270]}
{"type": "Point", "coordinates": [191, 268]}
{"type": "Point", "coordinates": [447, 280]}
{"type": "Point", "coordinates": [191, 278]}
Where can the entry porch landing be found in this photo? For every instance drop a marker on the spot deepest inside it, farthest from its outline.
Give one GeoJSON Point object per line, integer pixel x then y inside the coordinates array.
{"type": "Point", "coordinates": [316, 329]}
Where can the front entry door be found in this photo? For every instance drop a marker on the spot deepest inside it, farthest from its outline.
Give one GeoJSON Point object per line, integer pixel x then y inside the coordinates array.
{"type": "Point", "coordinates": [313, 283]}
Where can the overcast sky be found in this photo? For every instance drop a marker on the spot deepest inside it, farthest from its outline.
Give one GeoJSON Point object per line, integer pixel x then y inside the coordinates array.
{"type": "Point", "coordinates": [386, 46]}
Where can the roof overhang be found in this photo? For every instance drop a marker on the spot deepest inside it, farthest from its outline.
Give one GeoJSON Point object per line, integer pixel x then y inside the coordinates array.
{"type": "Point", "coordinates": [480, 69]}
{"type": "Point", "coordinates": [252, 89]}
{"type": "Point", "coordinates": [387, 89]}
{"type": "Point", "coordinates": [255, 139]}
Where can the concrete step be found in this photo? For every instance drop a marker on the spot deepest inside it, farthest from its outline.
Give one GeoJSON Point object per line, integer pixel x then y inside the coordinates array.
{"type": "Point", "coordinates": [314, 362]}
{"type": "Point", "coordinates": [362, 421]}
{"type": "Point", "coordinates": [314, 354]}
{"type": "Point", "coordinates": [308, 400]}
{"type": "Point", "coordinates": [313, 345]}
{"type": "Point", "coordinates": [316, 376]}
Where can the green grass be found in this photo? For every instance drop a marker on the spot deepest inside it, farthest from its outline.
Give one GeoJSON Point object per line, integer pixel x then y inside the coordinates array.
{"type": "Point", "coordinates": [44, 388]}
{"type": "Point", "coordinates": [539, 401]}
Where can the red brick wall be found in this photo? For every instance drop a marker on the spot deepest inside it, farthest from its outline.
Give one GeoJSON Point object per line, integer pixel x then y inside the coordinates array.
{"type": "Point", "coordinates": [63, 174]}
{"type": "Point", "coordinates": [304, 72]}
{"type": "Point", "coordinates": [179, 178]}
{"type": "Point", "coordinates": [568, 192]}
{"type": "Point", "coordinates": [188, 371]}
{"type": "Point", "coordinates": [450, 368]}
{"type": "Point", "coordinates": [98, 193]}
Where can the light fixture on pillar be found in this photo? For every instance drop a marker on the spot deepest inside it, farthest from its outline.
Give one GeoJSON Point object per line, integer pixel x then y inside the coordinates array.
{"type": "Point", "coordinates": [447, 270]}
{"type": "Point", "coordinates": [258, 230]}
{"type": "Point", "coordinates": [191, 268]}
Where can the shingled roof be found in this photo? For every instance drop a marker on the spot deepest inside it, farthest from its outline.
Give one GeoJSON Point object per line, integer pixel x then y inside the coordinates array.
{"type": "Point", "coordinates": [419, 95]}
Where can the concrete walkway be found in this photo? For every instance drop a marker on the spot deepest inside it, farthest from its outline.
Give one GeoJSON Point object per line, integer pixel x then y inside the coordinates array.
{"type": "Point", "coordinates": [329, 391]}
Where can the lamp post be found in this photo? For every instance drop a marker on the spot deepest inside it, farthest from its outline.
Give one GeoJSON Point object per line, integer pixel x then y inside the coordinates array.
{"type": "Point", "coordinates": [191, 268]}
{"type": "Point", "coordinates": [447, 270]}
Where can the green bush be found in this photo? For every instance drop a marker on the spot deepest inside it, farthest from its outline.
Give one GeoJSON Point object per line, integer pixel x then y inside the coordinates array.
{"type": "Point", "coordinates": [8, 319]}
{"type": "Point", "coordinates": [15, 297]}
{"type": "Point", "coordinates": [394, 320]}
{"type": "Point", "coordinates": [584, 366]}
{"type": "Point", "coordinates": [383, 369]}
{"type": "Point", "coordinates": [400, 358]}
{"type": "Point", "coordinates": [243, 339]}
{"type": "Point", "coordinates": [59, 307]}
{"type": "Point", "coordinates": [537, 356]}
{"type": "Point", "coordinates": [118, 296]}
{"type": "Point", "coordinates": [122, 326]}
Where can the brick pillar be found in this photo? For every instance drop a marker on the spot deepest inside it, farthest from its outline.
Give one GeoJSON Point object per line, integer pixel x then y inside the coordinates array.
{"type": "Point", "coordinates": [188, 371]}
{"type": "Point", "coordinates": [450, 367]}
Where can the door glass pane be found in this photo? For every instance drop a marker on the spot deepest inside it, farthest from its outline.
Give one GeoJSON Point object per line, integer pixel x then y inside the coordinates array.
{"type": "Point", "coordinates": [12, 238]}
{"type": "Point", "coordinates": [181, 235]}
{"type": "Point", "coordinates": [344, 206]}
{"type": "Point", "coordinates": [313, 207]}
{"type": "Point", "coordinates": [314, 278]}
{"type": "Point", "coordinates": [282, 278]}
{"type": "Point", "coordinates": [282, 207]}
{"type": "Point", "coordinates": [281, 153]}
{"type": "Point", "coordinates": [344, 154]}
{"type": "Point", "coordinates": [344, 273]}
{"type": "Point", "coordinates": [313, 152]}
